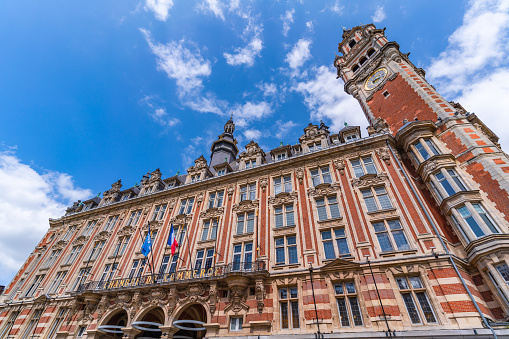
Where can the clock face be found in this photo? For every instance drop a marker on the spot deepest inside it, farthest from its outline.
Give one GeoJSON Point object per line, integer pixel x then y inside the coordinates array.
{"type": "Point", "coordinates": [376, 78]}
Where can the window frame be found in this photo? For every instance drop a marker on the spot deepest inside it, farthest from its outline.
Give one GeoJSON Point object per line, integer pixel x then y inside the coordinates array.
{"type": "Point", "coordinates": [286, 246]}
{"type": "Point", "coordinates": [284, 182]}
{"type": "Point", "coordinates": [343, 291]}
{"type": "Point", "coordinates": [389, 231]}
{"type": "Point", "coordinates": [424, 144]}
{"type": "Point", "coordinates": [320, 177]}
{"type": "Point", "coordinates": [159, 212]}
{"type": "Point", "coordinates": [57, 281]}
{"type": "Point", "coordinates": [209, 229]}
{"type": "Point", "coordinates": [467, 227]}
{"type": "Point", "coordinates": [134, 218]}
{"type": "Point", "coordinates": [449, 178]}
{"type": "Point", "coordinates": [110, 224]}
{"type": "Point", "coordinates": [186, 206]}
{"type": "Point", "coordinates": [361, 164]}
{"type": "Point", "coordinates": [417, 303]}
{"type": "Point", "coordinates": [376, 198]}
{"type": "Point", "coordinates": [284, 214]}
{"type": "Point", "coordinates": [216, 199]}
{"type": "Point", "coordinates": [290, 300]}
{"type": "Point", "coordinates": [247, 192]}
{"type": "Point", "coordinates": [334, 240]}
{"type": "Point", "coordinates": [238, 323]}
{"type": "Point", "coordinates": [248, 223]}
{"type": "Point", "coordinates": [326, 207]}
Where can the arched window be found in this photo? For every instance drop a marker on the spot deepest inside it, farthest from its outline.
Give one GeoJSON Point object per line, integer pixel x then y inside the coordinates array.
{"type": "Point", "coordinates": [352, 43]}
{"type": "Point", "coordinates": [371, 52]}
{"type": "Point", "coordinates": [363, 60]}
{"type": "Point", "coordinates": [355, 68]}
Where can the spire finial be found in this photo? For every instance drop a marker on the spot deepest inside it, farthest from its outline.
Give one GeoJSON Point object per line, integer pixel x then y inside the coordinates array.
{"type": "Point", "coordinates": [346, 124]}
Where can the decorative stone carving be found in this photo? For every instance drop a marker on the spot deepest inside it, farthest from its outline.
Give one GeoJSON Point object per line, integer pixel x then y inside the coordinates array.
{"type": "Point", "coordinates": [103, 235]}
{"type": "Point", "coordinates": [264, 182]}
{"type": "Point", "coordinates": [156, 296]}
{"type": "Point", "coordinates": [123, 299]}
{"type": "Point", "coordinates": [380, 125]}
{"type": "Point", "coordinates": [370, 180]}
{"type": "Point", "coordinates": [384, 154]}
{"type": "Point", "coordinates": [179, 219]}
{"type": "Point", "coordinates": [340, 165]}
{"type": "Point", "coordinates": [238, 297]}
{"type": "Point", "coordinates": [323, 190]}
{"type": "Point", "coordinates": [214, 212]}
{"type": "Point", "coordinates": [154, 225]}
{"type": "Point", "coordinates": [172, 297]}
{"type": "Point", "coordinates": [80, 240]}
{"type": "Point", "coordinates": [299, 174]}
{"type": "Point", "coordinates": [194, 292]}
{"type": "Point", "coordinates": [125, 231]}
{"type": "Point", "coordinates": [246, 205]}
{"type": "Point", "coordinates": [368, 70]}
{"type": "Point", "coordinates": [200, 197]}
{"type": "Point", "coordinates": [213, 297]}
{"type": "Point", "coordinates": [260, 295]}
{"type": "Point", "coordinates": [283, 198]}
{"type": "Point", "coordinates": [230, 190]}
{"type": "Point", "coordinates": [60, 245]}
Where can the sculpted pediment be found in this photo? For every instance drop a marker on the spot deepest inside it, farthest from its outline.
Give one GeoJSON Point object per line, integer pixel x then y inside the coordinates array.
{"type": "Point", "coordinates": [340, 264]}
{"type": "Point", "coordinates": [323, 189]}
{"type": "Point", "coordinates": [80, 240]}
{"type": "Point", "coordinates": [60, 244]}
{"type": "Point", "coordinates": [283, 198]}
{"type": "Point", "coordinates": [246, 205]}
{"type": "Point", "coordinates": [370, 180]}
{"type": "Point", "coordinates": [214, 212]}
{"type": "Point", "coordinates": [103, 235]}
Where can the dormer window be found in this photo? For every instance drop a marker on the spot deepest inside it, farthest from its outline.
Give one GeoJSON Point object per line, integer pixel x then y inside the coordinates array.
{"type": "Point", "coordinates": [125, 197]}
{"type": "Point", "coordinates": [315, 146]}
{"type": "Point", "coordinates": [352, 43]}
{"type": "Point", "coordinates": [195, 178]}
{"type": "Point", "coordinates": [335, 140]}
{"type": "Point", "coordinates": [221, 172]}
{"type": "Point", "coordinates": [250, 163]}
{"type": "Point", "coordinates": [281, 156]}
{"type": "Point", "coordinates": [87, 207]}
{"type": "Point", "coordinates": [170, 185]}
{"type": "Point", "coordinates": [351, 137]}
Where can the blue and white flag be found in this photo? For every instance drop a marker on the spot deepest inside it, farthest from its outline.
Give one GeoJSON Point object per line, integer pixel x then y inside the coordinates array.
{"type": "Point", "coordinates": [145, 248]}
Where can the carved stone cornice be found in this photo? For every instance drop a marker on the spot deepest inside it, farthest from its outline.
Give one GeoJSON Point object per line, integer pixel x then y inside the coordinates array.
{"type": "Point", "coordinates": [283, 198]}
{"type": "Point", "coordinates": [433, 164]}
{"type": "Point", "coordinates": [102, 236]}
{"type": "Point", "coordinates": [60, 245]}
{"type": "Point", "coordinates": [80, 240]}
{"type": "Point", "coordinates": [483, 248]}
{"type": "Point", "coordinates": [246, 205]}
{"type": "Point", "coordinates": [459, 199]}
{"type": "Point", "coordinates": [125, 231]}
{"type": "Point", "coordinates": [214, 212]}
{"type": "Point", "coordinates": [323, 190]}
{"type": "Point", "coordinates": [368, 180]}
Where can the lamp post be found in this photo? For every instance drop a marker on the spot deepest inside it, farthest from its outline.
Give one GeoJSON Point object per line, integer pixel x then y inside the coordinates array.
{"type": "Point", "coordinates": [318, 334]}
{"type": "Point", "coordinates": [389, 332]}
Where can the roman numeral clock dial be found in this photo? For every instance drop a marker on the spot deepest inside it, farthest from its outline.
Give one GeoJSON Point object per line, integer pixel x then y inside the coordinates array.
{"type": "Point", "coordinates": [375, 79]}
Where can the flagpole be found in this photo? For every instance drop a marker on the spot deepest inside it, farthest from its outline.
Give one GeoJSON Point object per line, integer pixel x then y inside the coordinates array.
{"type": "Point", "coordinates": [151, 250]}
{"type": "Point", "coordinates": [188, 247]}
{"type": "Point", "coordinates": [147, 257]}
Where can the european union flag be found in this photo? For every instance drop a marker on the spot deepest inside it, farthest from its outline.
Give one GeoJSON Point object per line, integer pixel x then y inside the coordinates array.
{"type": "Point", "coordinates": [145, 248]}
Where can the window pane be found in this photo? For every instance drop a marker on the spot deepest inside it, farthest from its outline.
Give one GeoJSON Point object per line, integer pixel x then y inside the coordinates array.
{"type": "Point", "coordinates": [295, 314]}
{"type": "Point", "coordinates": [474, 226]}
{"type": "Point", "coordinates": [284, 314]}
{"type": "Point", "coordinates": [293, 292]}
{"type": "Point", "coordinates": [329, 250]}
{"type": "Point", "coordinates": [370, 204]}
{"type": "Point", "coordinates": [431, 146]}
{"type": "Point", "coordinates": [379, 227]}
{"type": "Point", "coordinates": [445, 184]}
{"type": "Point", "coordinates": [456, 179]}
{"type": "Point", "coordinates": [400, 239]}
{"type": "Point", "coordinates": [290, 221]}
{"type": "Point", "coordinates": [343, 247]}
{"type": "Point", "coordinates": [283, 293]}
{"type": "Point", "coordinates": [357, 168]}
{"type": "Point", "coordinates": [292, 255]}
{"type": "Point", "coordinates": [384, 242]}
{"type": "Point", "coordinates": [280, 255]}
{"type": "Point", "coordinates": [334, 211]}
{"type": "Point", "coordinates": [279, 216]}
{"type": "Point", "coordinates": [356, 312]}
{"type": "Point", "coordinates": [343, 312]}
{"type": "Point", "coordinates": [384, 201]}
{"type": "Point", "coordinates": [288, 183]}
{"type": "Point", "coordinates": [250, 222]}
{"type": "Point", "coordinates": [422, 150]}
{"type": "Point", "coordinates": [485, 218]}
{"type": "Point", "coordinates": [415, 282]}
{"type": "Point", "coordinates": [338, 289]}
{"type": "Point", "coordinates": [504, 271]}
{"type": "Point", "coordinates": [412, 310]}
{"type": "Point", "coordinates": [368, 164]}
{"type": "Point", "coordinates": [240, 224]}
{"type": "Point", "coordinates": [277, 186]}
{"type": "Point", "coordinates": [426, 307]}
{"type": "Point", "coordinates": [322, 213]}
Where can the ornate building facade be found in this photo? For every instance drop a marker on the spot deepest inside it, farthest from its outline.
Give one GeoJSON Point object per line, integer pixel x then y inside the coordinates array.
{"type": "Point", "coordinates": [402, 232]}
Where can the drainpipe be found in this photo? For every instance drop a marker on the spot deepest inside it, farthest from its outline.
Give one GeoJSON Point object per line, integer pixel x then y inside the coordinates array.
{"type": "Point", "coordinates": [485, 321]}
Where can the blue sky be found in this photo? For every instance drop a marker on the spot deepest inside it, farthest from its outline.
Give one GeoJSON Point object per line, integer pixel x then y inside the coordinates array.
{"type": "Point", "coordinates": [96, 91]}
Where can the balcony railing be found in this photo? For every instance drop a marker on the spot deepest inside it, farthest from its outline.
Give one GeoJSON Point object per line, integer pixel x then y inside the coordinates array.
{"type": "Point", "coordinates": [205, 273]}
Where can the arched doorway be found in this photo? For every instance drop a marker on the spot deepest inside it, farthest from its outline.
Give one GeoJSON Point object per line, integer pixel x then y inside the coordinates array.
{"type": "Point", "coordinates": [193, 312]}
{"type": "Point", "coordinates": [155, 315]}
{"type": "Point", "coordinates": [115, 322]}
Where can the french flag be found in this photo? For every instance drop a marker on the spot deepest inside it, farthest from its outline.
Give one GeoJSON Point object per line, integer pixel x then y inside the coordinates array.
{"type": "Point", "coordinates": [172, 241]}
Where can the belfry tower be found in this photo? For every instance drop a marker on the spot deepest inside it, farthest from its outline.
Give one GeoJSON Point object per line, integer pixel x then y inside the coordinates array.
{"type": "Point", "coordinates": [224, 149]}
{"type": "Point", "coordinates": [451, 151]}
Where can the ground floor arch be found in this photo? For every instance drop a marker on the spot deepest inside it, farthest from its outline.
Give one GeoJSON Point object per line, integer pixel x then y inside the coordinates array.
{"type": "Point", "coordinates": [195, 313]}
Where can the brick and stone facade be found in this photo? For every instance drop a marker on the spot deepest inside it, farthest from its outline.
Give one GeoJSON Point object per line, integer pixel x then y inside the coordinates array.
{"type": "Point", "coordinates": [368, 233]}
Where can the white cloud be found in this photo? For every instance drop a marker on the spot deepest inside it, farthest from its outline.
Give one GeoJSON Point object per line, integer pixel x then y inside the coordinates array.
{"type": "Point", "coordinates": [252, 134]}
{"type": "Point", "coordinates": [379, 15]}
{"type": "Point", "coordinates": [473, 69]}
{"type": "Point", "coordinates": [325, 98]}
{"type": "Point", "coordinates": [161, 117]}
{"type": "Point", "coordinates": [336, 8]}
{"type": "Point", "coordinates": [283, 128]}
{"type": "Point", "coordinates": [268, 89]}
{"type": "Point", "coordinates": [287, 21]}
{"type": "Point", "coordinates": [251, 111]}
{"type": "Point", "coordinates": [245, 55]}
{"type": "Point", "coordinates": [213, 6]}
{"type": "Point", "coordinates": [27, 200]}
{"type": "Point", "coordinates": [310, 25]}
{"type": "Point", "coordinates": [299, 54]}
{"type": "Point", "coordinates": [161, 8]}
{"type": "Point", "coordinates": [180, 63]}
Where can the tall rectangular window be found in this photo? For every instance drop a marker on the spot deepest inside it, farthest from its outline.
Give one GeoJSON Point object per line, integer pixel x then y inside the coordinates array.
{"type": "Point", "coordinates": [137, 268]}
{"type": "Point", "coordinates": [159, 212]}
{"type": "Point", "coordinates": [55, 284]}
{"type": "Point", "coordinates": [335, 244]}
{"type": "Point", "coordinates": [35, 284]}
{"type": "Point", "coordinates": [204, 255]}
{"type": "Point", "coordinates": [242, 256]}
{"type": "Point", "coordinates": [216, 199]}
{"type": "Point", "coordinates": [173, 264]}
{"type": "Point", "coordinates": [209, 230]}
{"type": "Point", "coordinates": [96, 250]}
{"type": "Point", "coordinates": [81, 278]}
{"type": "Point", "coordinates": [111, 223]}
{"type": "Point", "coordinates": [89, 228]}
{"type": "Point", "coordinates": [62, 312]}
{"type": "Point", "coordinates": [245, 222]}
{"type": "Point", "coordinates": [52, 258]}
{"type": "Point", "coordinates": [6, 331]}
{"type": "Point", "coordinates": [478, 220]}
{"type": "Point", "coordinates": [348, 304]}
{"type": "Point", "coordinates": [186, 206]}
{"type": "Point", "coordinates": [289, 306]}
{"type": "Point", "coordinates": [121, 245]}
{"type": "Point", "coordinates": [248, 192]}
{"type": "Point", "coordinates": [75, 251]}
{"type": "Point", "coordinates": [31, 324]}
{"type": "Point", "coordinates": [412, 290]}
{"type": "Point", "coordinates": [363, 166]}
{"type": "Point", "coordinates": [69, 233]}
{"type": "Point", "coordinates": [376, 198]}
{"type": "Point", "coordinates": [15, 290]}
{"type": "Point", "coordinates": [283, 184]}
{"type": "Point", "coordinates": [286, 250]}
{"type": "Point", "coordinates": [315, 146]}
{"type": "Point", "coordinates": [425, 148]}
{"type": "Point", "coordinates": [250, 163]}
{"type": "Point", "coordinates": [284, 216]}
{"type": "Point", "coordinates": [321, 175]}
{"type": "Point", "coordinates": [133, 218]}
{"type": "Point", "coordinates": [327, 208]}
{"type": "Point", "coordinates": [164, 264]}
{"type": "Point", "coordinates": [391, 237]}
